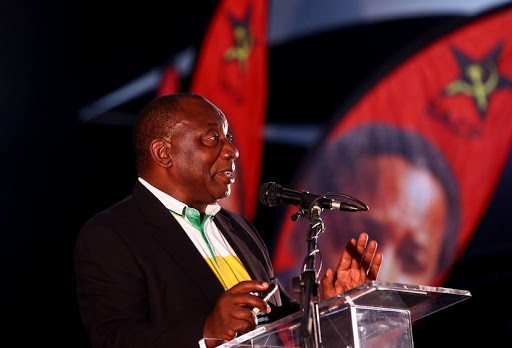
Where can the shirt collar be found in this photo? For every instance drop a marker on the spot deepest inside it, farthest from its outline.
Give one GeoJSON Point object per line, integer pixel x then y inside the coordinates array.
{"type": "Point", "coordinates": [172, 203]}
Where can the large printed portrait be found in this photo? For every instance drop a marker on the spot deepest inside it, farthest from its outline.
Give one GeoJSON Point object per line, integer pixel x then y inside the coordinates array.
{"type": "Point", "coordinates": [413, 199]}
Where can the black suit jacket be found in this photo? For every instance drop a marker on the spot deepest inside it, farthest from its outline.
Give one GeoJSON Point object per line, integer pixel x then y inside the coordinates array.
{"type": "Point", "coordinates": [142, 283]}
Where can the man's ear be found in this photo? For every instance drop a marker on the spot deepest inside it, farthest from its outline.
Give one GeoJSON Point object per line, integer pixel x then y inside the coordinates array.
{"type": "Point", "coordinates": [161, 152]}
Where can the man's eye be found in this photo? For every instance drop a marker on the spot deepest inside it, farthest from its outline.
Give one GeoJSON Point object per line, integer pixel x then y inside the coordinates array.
{"type": "Point", "coordinates": [216, 137]}
{"type": "Point", "coordinates": [229, 137]}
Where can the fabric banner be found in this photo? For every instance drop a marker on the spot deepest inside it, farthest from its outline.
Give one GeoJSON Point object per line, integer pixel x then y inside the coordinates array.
{"type": "Point", "coordinates": [231, 72]}
{"type": "Point", "coordinates": [170, 82]}
{"type": "Point", "coordinates": [424, 148]}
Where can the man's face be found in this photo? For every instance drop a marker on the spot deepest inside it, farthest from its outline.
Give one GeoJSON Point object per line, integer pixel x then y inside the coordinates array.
{"type": "Point", "coordinates": [202, 155]}
{"type": "Point", "coordinates": [407, 217]}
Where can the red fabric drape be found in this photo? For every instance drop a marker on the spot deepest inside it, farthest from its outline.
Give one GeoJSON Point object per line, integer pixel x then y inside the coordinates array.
{"type": "Point", "coordinates": [457, 94]}
{"type": "Point", "coordinates": [231, 72]}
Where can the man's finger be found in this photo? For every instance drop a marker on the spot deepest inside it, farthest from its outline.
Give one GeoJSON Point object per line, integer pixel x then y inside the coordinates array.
{"type": "Point", "coordinates": [373, 272]}
{"type": "Point", "coordinates": [346, 255]}
{"type": "Point", "coordinates": [247, 286]}
{"type": "Point", "coordinates": [246, 320]}
{"type": "Point", "coordinates": [328, 284]}
{"type": "Point", "coordinates": [368, 256]}
{"type": "Point", "coordinates": [358, 254]}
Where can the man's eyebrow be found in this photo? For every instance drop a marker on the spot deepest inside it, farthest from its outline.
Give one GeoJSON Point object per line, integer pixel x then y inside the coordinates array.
{"type": "Point", "coordinates": [214, 125]}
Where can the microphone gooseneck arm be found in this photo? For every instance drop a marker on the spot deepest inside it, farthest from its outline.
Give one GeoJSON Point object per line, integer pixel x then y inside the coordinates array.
{"type": "Point", "coordinates": [308, 283]}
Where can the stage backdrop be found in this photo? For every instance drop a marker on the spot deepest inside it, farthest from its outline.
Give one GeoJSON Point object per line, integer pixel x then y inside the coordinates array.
{"type": "Point", "coordinates": [424, 147]}
{"type": "Point", "coordinates": [231, 72]}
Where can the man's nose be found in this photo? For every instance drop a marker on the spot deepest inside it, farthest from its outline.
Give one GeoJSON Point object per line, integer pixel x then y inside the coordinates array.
{"type": "Point", "coordinates": [229, 151]}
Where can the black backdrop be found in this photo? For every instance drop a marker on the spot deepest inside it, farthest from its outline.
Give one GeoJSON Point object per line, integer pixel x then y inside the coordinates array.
{"type": "Point", "coordinates": [56, 172]}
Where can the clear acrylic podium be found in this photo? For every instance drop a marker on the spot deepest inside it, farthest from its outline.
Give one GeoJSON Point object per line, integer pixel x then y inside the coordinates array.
{"type": "Point", "coordinates": [375, 314]}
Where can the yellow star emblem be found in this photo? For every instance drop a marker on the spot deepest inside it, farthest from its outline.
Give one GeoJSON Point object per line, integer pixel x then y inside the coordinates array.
{"type": "Point", "coordinates": [243, 41]}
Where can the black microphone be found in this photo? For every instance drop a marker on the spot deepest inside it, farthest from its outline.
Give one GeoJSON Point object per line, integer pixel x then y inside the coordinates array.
{"type": "Point", "coordinates": [272, 194]}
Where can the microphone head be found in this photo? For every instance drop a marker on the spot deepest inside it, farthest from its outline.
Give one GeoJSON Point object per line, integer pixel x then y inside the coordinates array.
{"type": "Point", "coordinates": [268, 193]}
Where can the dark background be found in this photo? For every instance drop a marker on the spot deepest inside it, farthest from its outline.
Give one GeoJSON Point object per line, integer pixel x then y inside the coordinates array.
{"type": "Point", "coordinates": [57, 172]}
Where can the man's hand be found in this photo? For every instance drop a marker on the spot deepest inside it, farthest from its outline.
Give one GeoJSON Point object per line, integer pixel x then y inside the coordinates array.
{"type": "Point", "coordinates": [359, 263]}
{"type": "Point", "coordinates": [233, 313]}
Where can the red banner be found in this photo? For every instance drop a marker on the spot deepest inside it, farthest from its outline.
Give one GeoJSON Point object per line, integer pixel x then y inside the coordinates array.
{"type": "Point", "coordinates": [424, 148]}
{"type": "Point", "coordinates": [232, 73]}
{"type": "Point", "coordinates": [170, 82]}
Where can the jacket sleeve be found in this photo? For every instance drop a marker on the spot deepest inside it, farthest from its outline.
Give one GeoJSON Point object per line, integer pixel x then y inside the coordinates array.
{"type": "Point", "coordinates": [113, 296]}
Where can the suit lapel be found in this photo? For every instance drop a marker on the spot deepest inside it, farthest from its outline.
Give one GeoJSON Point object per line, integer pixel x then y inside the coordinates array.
{"type": "Point", "coordinates": [171, 236]}
{"type": "Point", "coordinates": [243, 247]}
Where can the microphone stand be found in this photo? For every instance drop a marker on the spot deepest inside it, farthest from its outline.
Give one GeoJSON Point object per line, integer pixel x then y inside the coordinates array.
{"type": "Point", "coordinates": [307, 283]}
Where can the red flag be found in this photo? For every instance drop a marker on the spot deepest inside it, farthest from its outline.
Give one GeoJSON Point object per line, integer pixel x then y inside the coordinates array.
{"type": "Point", "coordinates": [170, 82]}
{"type": "Point", "coordinates": [449, 106]}
{"type": "Point", "coordinates": [231, 72]}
